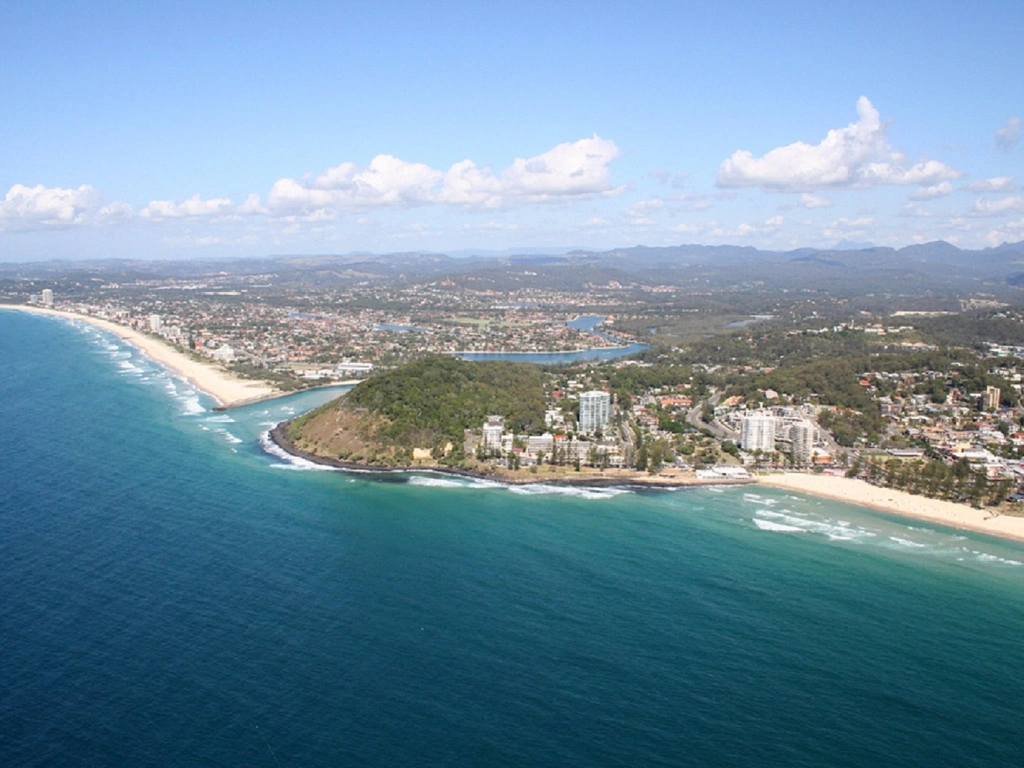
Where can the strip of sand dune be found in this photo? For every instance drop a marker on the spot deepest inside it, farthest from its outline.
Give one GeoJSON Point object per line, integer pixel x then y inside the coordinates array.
{"type": "Point", "coordinates": [228, 390]}
{"type": "Point", "coordinates": [898, 503]}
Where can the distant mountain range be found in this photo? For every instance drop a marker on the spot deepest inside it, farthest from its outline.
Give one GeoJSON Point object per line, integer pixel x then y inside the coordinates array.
{"type": "Point", "coordinates": [936, 267]}
{"type": "Point", "coordinates": [852, 245]}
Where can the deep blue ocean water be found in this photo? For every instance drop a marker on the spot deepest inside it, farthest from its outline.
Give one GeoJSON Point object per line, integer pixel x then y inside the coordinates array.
{"type": "Point", "coordinates": [172, 594]}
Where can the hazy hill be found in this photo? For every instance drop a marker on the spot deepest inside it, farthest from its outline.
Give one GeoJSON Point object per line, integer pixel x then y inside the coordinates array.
{"type": "Point", "coordinates": [937, 267]}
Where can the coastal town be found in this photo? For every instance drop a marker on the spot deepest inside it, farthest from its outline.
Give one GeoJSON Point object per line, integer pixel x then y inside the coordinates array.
{"type": "Point", "coordinates": [973, 433]}
{"type": "Point", "coordinates": [682, 389]}
{"type": "Point", "coordinates": [337, 337]}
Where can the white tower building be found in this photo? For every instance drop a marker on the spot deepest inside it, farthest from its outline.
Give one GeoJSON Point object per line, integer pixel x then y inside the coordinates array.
{"type": "Point", "coordinates": [493, 430]}
{"type": "Point", "coordinates": [595, 411]}
{"type": "Point", "coordinates": [758, 433]}
{"type": "Point", "coordinates": [802, 434]}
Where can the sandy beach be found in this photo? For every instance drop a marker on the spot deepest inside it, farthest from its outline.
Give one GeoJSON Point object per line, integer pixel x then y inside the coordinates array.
{"type": "Point", "coordinates": [899, 503]}
{"type": "Point", "coordinates": [228, 390]}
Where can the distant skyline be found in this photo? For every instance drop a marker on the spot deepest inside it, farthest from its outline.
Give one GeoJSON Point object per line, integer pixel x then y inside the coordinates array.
{"type": "Point", "coordinates": [229, 129]}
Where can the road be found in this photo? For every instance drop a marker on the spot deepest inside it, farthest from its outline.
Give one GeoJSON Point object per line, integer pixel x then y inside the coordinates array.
{"type": "Point", "coordinates": [719, 430]}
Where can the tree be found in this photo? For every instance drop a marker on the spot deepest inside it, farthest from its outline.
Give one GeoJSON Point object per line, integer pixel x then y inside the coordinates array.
{"type": "Point", "coordinates": [854, 469]}
{"type": "Point", "coordinates": [641, 458]}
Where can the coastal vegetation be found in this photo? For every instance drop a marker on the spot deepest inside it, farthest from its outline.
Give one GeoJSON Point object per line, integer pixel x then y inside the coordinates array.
{"type": "Point", "coordinates": [935, 479]}
{"type": "Point", "coordinates": [427, 405]}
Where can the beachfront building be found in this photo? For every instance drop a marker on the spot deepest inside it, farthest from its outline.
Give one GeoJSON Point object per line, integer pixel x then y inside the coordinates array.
{"type": "Point", "coordinates": [155, 323]}
{"type": "Point", "coordinates": [494, 428]}
{"type": "Point", "coordinates": [536, 444]}
{"type": "Point", "coordinates": [802, 436]}
{"type": "Point", "coordinates": [47, 298]}
{"type": "Point", "coordinates": [595, 411]}
{"type": "Point", "coordinates": [757, 433]}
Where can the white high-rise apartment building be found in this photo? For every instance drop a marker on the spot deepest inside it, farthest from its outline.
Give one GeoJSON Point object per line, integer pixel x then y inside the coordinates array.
{"type": "Point", "coordinates": [493, 431]}
{"type": "Point", "coordinates": [802, 435]}
{"type": "Point", "coordinates": [595, 411]}
{"type": "Point", "coordinates": [47, 298]}
{"type": "Point", "coordinates": [758, 433]}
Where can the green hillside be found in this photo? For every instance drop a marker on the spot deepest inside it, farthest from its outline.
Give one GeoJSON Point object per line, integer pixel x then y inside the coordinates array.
{"type": "Point", "coordinates": [425, 404]}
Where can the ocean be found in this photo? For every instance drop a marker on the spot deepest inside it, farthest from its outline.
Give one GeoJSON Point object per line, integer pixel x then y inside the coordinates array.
{"type": "Point", "coordinates": [173, 594]}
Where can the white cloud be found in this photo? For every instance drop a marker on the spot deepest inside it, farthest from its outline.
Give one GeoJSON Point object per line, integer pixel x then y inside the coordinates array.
{"type": "Point", "coordinates": [194, 207]}
{"type": "Point", "coordinates": [252, 206]}
{"type": "Point", "coordinates": [115, 213]}
{"type": "Point", "coordinates": [688, 229]}
{"type": "Point", "coordinates": [807, 200]}
{"type": "Point", "coordinates": [289, 197]}
{"type": "Point", "coordinates": [997, 207]}
{"type": "Point", "coordinates": [845, 227]}
{"type": "Point", "coordinates": [1010, 232]}
{"type": "Point", "coordinates": [1008, 136]}
{"type": "Point", "coordinates": [576, 169]}
{"type": "Point", "coordinates": [857, 156]}
{"type": "Point", "coordinates": [914, 210]}
{"type": "Point", "coordinates": [39, 207]}
{"type": "Point", "coordinates": [769, 227]}
{"type": "Point", "coordinates": [995, 184]}
{"type": "Point", "coordinates": [641, 211]}
{"type": "Point", "coordinates": [932, 192]}
{"type": "Point", "coordinates": [386, 181]}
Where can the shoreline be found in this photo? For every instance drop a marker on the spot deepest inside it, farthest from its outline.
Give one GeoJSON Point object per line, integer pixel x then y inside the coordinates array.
{"type": "Point", "coordinates": [898, 503]}
{"type": "Point", "coordinates": [613, 478]}
{"type": "Point", "coordinates": [225, 388]}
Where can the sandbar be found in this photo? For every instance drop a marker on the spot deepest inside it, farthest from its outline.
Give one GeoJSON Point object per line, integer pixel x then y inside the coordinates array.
{"type": "Point", "coordinates": [224, 387]}
{"type": "Point", "coordinates": [901, 503]}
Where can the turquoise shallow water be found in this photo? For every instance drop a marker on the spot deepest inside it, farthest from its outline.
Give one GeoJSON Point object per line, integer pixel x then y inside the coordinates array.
{"type": "Point", "coordinates": [172, 594]}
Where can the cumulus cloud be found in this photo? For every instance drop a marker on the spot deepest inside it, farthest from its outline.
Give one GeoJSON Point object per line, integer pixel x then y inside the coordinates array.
{"type": "Point", "coordinates": [857, 156]}
{"type": "Point", "coordinates": [115, 213]}
{"type": "Point", "coordinates": [194, 207]}
{"type": "Point", "coordinates": [997, 207]}
{"type": "Point", "coordinates": [39, 207]}
{"type": "Point", "coordinates": [573, 170]}
{"type": "Point", "coordinates": [1008, 136]}
{"type": "Point", "coordinates": [640, 212]}
{"type": "Point", "coordinates": [932, 192]}
{"type": "Point", "coordinates": [995, 184]}
{"type": "Point", "coordinates": [251, 206]}
{"type": "Point", "coordinates": [576, 169]}
{"type": "Point", "coordinates": [807, 200]}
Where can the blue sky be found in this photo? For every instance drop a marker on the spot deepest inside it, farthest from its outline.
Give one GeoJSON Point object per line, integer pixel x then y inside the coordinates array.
{"type": "Point", "coordinates": [231, 129]}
